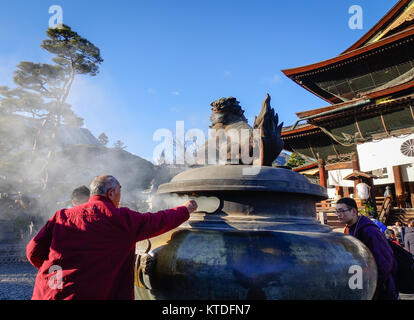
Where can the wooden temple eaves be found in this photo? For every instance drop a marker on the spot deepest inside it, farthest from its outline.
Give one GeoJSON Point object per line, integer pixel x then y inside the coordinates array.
{"type": "Point", "coordinates": [335, 132]}
{"type": "Point", "coordinates": [346, 58]}
{"type": "Point", "coordinates": [379, 99]}
{"type": "Point", "coordinates": [396, 16]}
{"type": "Point", "coordinates": [381, 108]}
{"type": "Point", "coordinates": [362, 45]}
{"type": "Point", "coordinates": [299, 130]}
{"type": "Point", "coordinates": [361, 68]}
{"type": "Point", "coordinates": [370, 87]}
{"type": "Point", "coordinates": [306, 167]}
{"type": "Point", "coordinates": [315, 112]}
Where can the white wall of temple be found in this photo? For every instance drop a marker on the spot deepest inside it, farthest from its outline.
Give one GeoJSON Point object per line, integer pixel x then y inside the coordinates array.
{"type": "Point", "coordinates": [386, 153]}
{"type": "Point", "coordinates": [335, 177]}
{"type": "Point", "coordinates": [386, 174]}
{"type": "Point", "coordinates": [407, 172]}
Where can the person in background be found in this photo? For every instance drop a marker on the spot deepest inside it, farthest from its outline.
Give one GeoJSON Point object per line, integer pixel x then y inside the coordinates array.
{"type": "Point", "coordinates": [399, 232]}
{"type": "Point", "coordinates": [88, 252]}
{"type": "Point", "coordinates": [390, 235]}
{"type": "Point", "coordinates": [409, 237]}
{"type": "Point", "coordinates": [80, 195]}
{"type": "Point", "coordinates": [368, 233]}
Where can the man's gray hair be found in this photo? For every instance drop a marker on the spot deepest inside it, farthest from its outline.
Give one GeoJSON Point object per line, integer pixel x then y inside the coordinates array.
{"type": "Point", "coordinates": [102, 184]}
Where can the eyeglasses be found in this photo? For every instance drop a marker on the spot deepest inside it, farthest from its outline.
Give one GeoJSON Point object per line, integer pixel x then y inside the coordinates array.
{"type": "Point", "coordinates": [340, 212]}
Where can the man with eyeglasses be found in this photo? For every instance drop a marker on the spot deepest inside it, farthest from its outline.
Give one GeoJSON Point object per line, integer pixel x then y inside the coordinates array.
{"type": "Point", "coordinates": [368, 233]}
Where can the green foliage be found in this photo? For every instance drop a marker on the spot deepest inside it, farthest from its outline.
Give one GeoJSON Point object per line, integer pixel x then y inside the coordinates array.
{"type": "Point", "coordinates": [72, 51]}
{"type": "Point", "coordinates": [18, 100]}
{"type": "Point", "coordinates": [367, 211]}
{"type": "Point", "coordinates": [42, 89]}
{"type": "Point", "coordinates": [294, 161]}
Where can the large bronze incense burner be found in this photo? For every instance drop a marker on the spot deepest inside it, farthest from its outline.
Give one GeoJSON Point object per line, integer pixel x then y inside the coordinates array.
{"type": "Point", "coordinates": [255, 237]}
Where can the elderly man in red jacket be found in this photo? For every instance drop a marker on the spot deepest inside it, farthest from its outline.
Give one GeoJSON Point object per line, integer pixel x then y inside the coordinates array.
{"type": "Point", "coordinates": [87, 252]}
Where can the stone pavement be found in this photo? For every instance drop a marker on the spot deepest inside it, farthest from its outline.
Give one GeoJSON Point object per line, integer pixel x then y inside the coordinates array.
{"type": "Point", "coordinates": [17, 281]}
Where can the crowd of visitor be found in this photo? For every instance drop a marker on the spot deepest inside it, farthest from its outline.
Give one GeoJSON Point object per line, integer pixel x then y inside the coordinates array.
{"type": "Point", "coordinates": [402, 234]}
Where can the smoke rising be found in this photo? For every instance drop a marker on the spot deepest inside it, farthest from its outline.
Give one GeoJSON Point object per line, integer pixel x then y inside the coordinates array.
{"type": "Point", "coordinates": [76, 160]}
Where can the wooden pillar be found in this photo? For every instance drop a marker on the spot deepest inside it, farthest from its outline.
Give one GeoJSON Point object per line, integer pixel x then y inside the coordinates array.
{"type": "Point", "coordinates": [399, 185]}
{"type": "Point", "coordinates": [339, 191]}
{"type": "Point", "coordinates": [346, 192]}
{"type": "Point", "coordinates": [322, 173]}
{"type": "Point", "coordinates": [355, 167]}
{"type": "Point", "coordinates": [411, 186]}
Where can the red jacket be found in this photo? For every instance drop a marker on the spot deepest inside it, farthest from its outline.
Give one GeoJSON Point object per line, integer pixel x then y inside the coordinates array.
{"type": "Point", "coordinates": [87, 252]}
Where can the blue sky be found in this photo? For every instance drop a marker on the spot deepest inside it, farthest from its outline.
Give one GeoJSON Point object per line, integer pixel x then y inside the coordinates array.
{"type": "Point", "coordinates": [166, 61]}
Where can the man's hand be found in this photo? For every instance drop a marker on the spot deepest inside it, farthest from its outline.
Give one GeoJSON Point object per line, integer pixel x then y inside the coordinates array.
{"type": "Point", "coordinates": [191, 206]}
{"type": "Point", "coordinates": [146, 263]}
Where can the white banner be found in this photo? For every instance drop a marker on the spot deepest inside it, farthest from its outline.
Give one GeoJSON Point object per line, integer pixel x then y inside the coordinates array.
{"type": "Point", "coordinates": [336, 178]}
{"type": "Point", "coordinates": [393, 151]}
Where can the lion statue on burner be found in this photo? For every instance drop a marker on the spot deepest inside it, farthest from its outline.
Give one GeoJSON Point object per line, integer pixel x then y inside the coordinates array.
{"type": "Point", "coordinates": [228, 123]}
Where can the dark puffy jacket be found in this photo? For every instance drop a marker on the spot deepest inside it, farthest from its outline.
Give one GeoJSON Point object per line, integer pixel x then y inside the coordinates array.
{"type": "Point", "coordinates": [369, 234]}
{"type": "Point", "coordinates": [409, 240]}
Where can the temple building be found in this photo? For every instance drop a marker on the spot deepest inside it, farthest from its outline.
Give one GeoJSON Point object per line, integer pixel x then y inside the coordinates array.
{"type": "Point", "coordinates": [367, 127]}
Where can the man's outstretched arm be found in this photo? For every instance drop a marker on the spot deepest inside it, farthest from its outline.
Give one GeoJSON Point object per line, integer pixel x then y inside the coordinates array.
{"type": "Point", "coordinates": [148, 225]}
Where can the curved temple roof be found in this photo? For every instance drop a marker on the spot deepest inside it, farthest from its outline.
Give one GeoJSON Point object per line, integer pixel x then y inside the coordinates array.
{"type": "Point", "coordinates": [382, 58]}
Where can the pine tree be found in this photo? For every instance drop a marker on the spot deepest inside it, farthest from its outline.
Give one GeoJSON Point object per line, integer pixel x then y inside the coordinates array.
{"type": "Point", "coordinates": [103, 139]}
{"type": "Point", "coordinates": [294, 161]}
{"type": "Point", "coordinates": [119, 145]}
{"type": "Point", "coordinates": [42, 89]}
